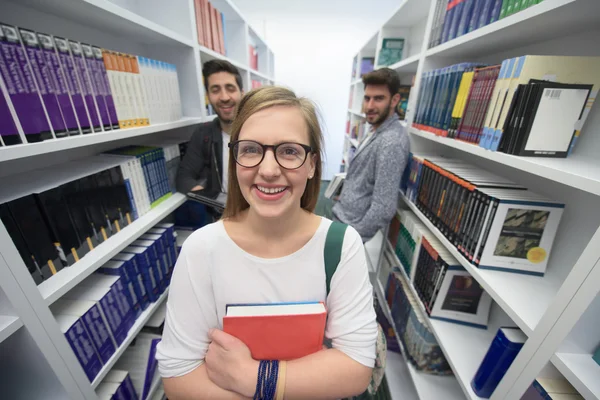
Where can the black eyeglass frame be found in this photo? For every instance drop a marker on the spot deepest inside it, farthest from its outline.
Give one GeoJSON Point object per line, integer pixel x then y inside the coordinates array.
{"type": "Point", "coordinates": [273, 147]}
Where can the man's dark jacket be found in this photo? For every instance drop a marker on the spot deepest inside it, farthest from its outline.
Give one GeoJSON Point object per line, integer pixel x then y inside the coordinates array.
{"type": "Point", "coordinates": [198, 164]}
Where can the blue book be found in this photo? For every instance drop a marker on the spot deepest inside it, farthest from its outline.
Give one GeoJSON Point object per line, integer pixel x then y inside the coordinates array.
{"type": "Point", "coordinates": [477, 8]}
{"type": "Point", "coordinates": [484, 15]}
{"type": "Point", "coordinates": [596, 356]}
{"type": "Point", "coordinates": [155, 260]}
{"type": "Point", "coordinates": [117, 268]}
{"type": "Point", "coordinates": [458, 10]}
{"type": "Point", "coordinates": [147, 271]}
{"type": "Point", "coordinates": [504, 349]}
{"type": "Point", "coordinates": [495, 11]}
{"type": "Point", "coordinates": [447, 21]}
{"type": "Point", "coordinates": [134, 277]}
{"type": "Point", "coordinates": [80, 342]}
{"type": "Point", "coordinates": [465, 18]}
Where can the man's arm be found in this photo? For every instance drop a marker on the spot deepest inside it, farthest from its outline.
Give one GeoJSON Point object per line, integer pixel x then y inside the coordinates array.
{"type": "Point", "coordinates": [391, 161]}
{"type": "Point", "coordinates": [192, 164]}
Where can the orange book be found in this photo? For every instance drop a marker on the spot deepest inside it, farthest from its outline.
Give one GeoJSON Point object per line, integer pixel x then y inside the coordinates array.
{"type": "Point", "coordinates": [278, 331]}
{"type": "Point", "coordinates": [199, 22]}
{"type": "Point", "coordinates": [214, 29]}
{"type": "Point", "coordinates": [205, 22]}
{"type": "Point", "coordinates": [208, 17]}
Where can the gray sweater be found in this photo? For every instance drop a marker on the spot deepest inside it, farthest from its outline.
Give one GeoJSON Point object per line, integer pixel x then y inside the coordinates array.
{"type": "Point", "coordinates": [369, 196]}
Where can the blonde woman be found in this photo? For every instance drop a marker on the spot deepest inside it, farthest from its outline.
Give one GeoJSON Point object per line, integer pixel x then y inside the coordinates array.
{"type": "Point", "coordinates": [268, 248]}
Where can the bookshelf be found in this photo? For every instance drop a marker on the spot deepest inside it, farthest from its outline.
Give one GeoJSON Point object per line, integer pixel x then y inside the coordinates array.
{"type": "Point", "coordinates": [165, 31]}
{"type": "Point", "coordinates": [559, 312]}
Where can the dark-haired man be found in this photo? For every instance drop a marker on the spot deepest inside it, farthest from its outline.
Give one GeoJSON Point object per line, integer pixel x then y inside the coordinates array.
{"type": "Point", "coordinates": [370, 193]}
{"type": "Point", "coordinates": [204, 165]}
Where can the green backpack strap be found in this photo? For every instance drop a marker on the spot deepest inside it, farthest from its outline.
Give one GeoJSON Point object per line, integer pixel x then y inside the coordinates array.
{"type": "Point", "coordinates": [333, 250]}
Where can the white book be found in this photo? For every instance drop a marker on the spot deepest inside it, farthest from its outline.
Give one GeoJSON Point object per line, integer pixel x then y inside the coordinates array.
{"type": "Point", "coordinates": [334, 184]}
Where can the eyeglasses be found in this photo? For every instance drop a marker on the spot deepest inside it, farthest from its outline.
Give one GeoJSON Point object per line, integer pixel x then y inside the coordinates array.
{"type": "Point", "coordinates": [249, 153]}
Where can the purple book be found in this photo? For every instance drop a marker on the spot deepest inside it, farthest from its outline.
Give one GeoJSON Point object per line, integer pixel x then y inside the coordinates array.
{"type": "Point", "coordinates": [85, 84]}
{"type": "Point", "coordinates": [44, 80]}
{"type": "Point", "coordinates": [61, 87]}
{"type": "Point", "coordinates": [68, 67]}
{"type": "Point", "coordinates": [21, 88]}
{"type": "Point", "coordinates": [97, 84]}
{"type": "Point", "coordinates": [110, 103]}
{"type": "Point", "coordinates": [7, 123]}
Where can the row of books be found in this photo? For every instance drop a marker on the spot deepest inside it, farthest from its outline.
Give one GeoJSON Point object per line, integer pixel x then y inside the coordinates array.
{"type": "Point", "coordinates": [97, 314]}
{"type": "Point", "coordinates": [55, 217]}
{"type": "Point", "coordinates": [117, 385]}
{"type": "Point", "coordinates": [54, 87]}
{"type": "Point", "coordinates": [421, 348]}
{"type": "Point", "coordinates": [210, 26]}
{"type": "Point", "coordinates": [493, 222]}
{"type": "Point", "coordinates": [528, 105]}
{"type": "Point", "coordinates": [454, 18]}
{"type": "Point", "coordinates": [444, 288]}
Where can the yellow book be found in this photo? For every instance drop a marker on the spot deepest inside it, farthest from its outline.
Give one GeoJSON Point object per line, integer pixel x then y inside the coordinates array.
{"type": "Point", "coordinates": [461, 100]}
{"type": "Point", "coordinates": [563, 69]}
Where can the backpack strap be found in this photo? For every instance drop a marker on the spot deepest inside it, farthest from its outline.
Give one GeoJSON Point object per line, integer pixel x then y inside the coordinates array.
{"type": "Point", "coordinates": [333, 250]}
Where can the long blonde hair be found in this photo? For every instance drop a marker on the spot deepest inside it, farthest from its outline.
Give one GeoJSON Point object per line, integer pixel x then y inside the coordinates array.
{"type": "Point", "coordinates": [258, 100]}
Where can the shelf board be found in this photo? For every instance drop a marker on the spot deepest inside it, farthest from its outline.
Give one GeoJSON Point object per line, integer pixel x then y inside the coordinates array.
{"type": "Point", "coordinates": [547, 20]}
{"type": "Point", "coordinates": [523, 297]}
{"type": "Point", "coordinates": [51, 146]}
{"type": "Point", "coordinates": [581, 173]}
{"type": "Point", "coordinates": [581, 371]}
{"type": "Point", "coordinates": [67, 278]}
{"type": "Point", "coordinates": [357, 113]}
{"type": "Point", "coordinates": [135, 329]}
{"type": "Point", "coordinates": [407, 66]}
{"type": "Point", "coordinates": [8, 326]}
{"type": "Point", "coordinates": [353, 142]}
{"type": "Point", "coordinates": [107, 16]}
{"type": "Point", "coordinates": [427, 386]}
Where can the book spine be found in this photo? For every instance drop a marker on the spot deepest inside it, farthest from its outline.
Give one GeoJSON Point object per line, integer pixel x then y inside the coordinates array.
{"type": "Point", "coordinates": [458, 11]}
{"type": "Point", "coordinates": [20, 84]}
{"type": "Point", "coordinates": [11, 131]}
{"type": "Point", "coordinates": [124, 303]}
{"type": "Point", "coordinates": [103, 80]}
{"type": "Point", "coordinates": [467, 12]}
{"type": "Point", "coordinates": [85, 85]}
{"type": "Point", "coordinates": [95, 86]}
{"type": "Point", "coordinates": [495, 11]}
{"type": "Point", "coordinates": [99, 335]}
{"type": "Point", "coordinates": [130, 192]}
{"type": "Point", "coordinates": [114, 318]}
{"type": "Point", "coordinates": [448, 20]}
{"type": "Point", "coordinates": [83, 348]}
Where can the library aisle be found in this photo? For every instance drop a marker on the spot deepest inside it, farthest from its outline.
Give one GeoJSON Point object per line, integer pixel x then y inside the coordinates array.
{"type": "Point", "coordinates": [87, 181]}
{"type": "Point", "coordinates": [492, 204]}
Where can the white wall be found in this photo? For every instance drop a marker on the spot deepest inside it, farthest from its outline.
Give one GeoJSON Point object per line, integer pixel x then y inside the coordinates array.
{"type": "Point", "coordinates": [314, 42]}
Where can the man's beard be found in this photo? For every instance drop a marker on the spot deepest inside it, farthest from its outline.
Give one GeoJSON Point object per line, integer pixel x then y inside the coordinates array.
{"type": "Point", "coordinates": [383, 116]}
{"type": "Point", "coordinates": [224, 120]}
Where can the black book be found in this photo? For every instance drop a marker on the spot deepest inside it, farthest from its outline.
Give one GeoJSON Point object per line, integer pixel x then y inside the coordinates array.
{"type": "Point", "coordinates": [60, 225]}
{"type": "Point", "coordinates": [77, 207]}
{"type": "Point", "coordinates": [31, 223]}
{"type": "Point", "coordinates": [17, 237]}
{"type": "Point", "coordinates": [512, 118]}
{"type": "Point", "coordinates": [525, 108]}
{"type": "Point", "coordinates": [121, 196]}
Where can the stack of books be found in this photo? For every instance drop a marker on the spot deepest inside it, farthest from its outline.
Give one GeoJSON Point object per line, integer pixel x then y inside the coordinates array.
{"type": "Point", "coordinates": [55, 217]}
{"type": "Point", "coordinates": [454, 18]}
{"type": "Point", "coordinates": [420, 346]}
{"type": "Point", "coordinates": [527, 106]}
{"type": "Point", "coordinates": [493, 222]}
{"type": "Point", "coordinates": [210, 26]}
{"type": "Point", "coordinates": [70, 88]}
{"type": "Point", "coordinates": [444, 288]}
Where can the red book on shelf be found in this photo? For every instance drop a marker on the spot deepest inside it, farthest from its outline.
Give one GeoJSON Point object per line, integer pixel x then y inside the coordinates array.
{"type": "Point", "coordinates": [253, 54]}
{"type": "Point", "coordinates": [207, 31]}
{"type": "Point", "coordinates": [199, 21]}
{"type": "Point", "coordinates": [277, 331]}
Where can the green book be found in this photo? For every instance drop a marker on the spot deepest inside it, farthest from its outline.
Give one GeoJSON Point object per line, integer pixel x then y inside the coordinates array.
{"type": "Point", "coordinates": [531, 3]}
{"type": "Point", "coordinates": [596, 356]}
{"type": "Point", "coordinates": [503, 8]}
{"type": "Point", "coordinates": [391, 51]}
{"type": "Point", "coordinates": [510, 8]}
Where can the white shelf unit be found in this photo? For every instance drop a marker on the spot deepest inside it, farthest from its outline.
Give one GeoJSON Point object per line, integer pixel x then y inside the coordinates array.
{"type": "Point", "coordinates": [166, 31]}
{"type": "Point", "coordinates": [560, 312]}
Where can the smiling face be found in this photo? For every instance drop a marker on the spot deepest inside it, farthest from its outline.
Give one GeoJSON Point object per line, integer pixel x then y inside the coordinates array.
{"type": "Point", "coordinates": [224, 95]}
{"type": "Point", "coordinates": [271, 190]}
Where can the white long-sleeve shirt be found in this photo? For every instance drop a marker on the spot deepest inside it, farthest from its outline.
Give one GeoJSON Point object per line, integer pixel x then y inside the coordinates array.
{"type": "Point", "coordinates": [212, 271]}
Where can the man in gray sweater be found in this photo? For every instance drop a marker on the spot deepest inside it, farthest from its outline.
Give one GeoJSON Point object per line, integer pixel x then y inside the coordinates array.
{"type": "Point", "coordinates": [370, 193]}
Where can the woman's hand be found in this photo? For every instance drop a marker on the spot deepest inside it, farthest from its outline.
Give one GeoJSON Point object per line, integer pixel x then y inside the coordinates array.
{"type": "Point", "coordinates": [229, 364]}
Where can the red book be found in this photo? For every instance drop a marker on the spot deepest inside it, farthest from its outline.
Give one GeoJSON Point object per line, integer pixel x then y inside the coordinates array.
{"type": "Point", "coordinates": [214, 29]}
{"type": "Point", "coordinates": [207, 31]}
{"type": "Point", "coordinates": [199, 21]}
{"type": "Point", "coordinates": [278, 331]}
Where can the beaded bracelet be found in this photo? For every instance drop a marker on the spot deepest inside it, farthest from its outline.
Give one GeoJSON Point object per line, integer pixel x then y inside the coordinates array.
{"type": "Point", "coordinates": [266, 383]}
